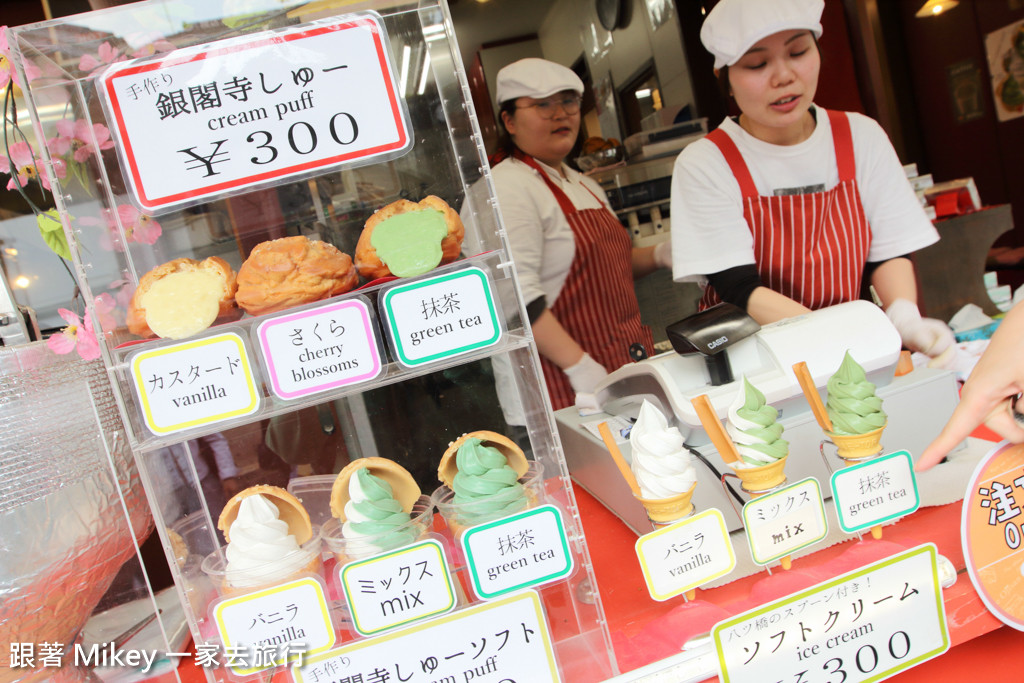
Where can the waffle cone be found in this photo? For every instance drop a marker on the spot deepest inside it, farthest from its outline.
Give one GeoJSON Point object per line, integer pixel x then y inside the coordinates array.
{"type": "Point", "coordinates": [313, 567]}
{"type": "Point", "coordinates": [857, 446]}
{"type": "Point", "coordinates": [290, 510]}
{"type": "Point", "coordinates": [764, 478]}
{"type": "Point", "coordinates": [403, 487]}
{"type": "Point", "coordinates": [670, 509]}
{"type": "Point", "coordinates": [447, 468]}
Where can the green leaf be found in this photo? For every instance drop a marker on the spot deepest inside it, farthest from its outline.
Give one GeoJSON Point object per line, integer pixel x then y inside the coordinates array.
{"type": "Point", "coordinates": [52, 231]}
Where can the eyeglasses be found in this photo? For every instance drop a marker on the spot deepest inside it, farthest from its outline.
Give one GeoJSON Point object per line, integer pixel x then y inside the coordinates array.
{"type": "Point", "coordinates": [546, 109]}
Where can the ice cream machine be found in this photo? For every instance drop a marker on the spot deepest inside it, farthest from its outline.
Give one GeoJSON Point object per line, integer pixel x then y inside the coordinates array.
{"type": "Point", "coordinates": [918, 403]}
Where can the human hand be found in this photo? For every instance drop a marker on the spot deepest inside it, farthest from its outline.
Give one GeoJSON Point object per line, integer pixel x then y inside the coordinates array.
{"type": "Point", "coordinates": [929, 336]}
{"type": "Point", "coordinates": [989, 393]}
{"type": "Point", "coordinates": [663, 254]}
{"type": "Point", "coordinates": [585, 374]}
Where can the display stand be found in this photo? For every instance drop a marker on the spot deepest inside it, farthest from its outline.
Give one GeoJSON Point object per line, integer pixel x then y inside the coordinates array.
{"type": "Point", "coordinates": [291, 119]}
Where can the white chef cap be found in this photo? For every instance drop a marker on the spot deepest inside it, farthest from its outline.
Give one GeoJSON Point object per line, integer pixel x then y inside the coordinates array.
{"type": "Point", "coordinates": [733, 26]}
{"type": "Point", "coordinates": [534, 77]}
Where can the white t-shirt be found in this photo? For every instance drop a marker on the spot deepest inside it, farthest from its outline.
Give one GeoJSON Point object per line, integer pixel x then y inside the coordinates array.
{"type": "Point", "coordinates": [539, 235]}
{"type": "Point", "coordinates": [709, 233]}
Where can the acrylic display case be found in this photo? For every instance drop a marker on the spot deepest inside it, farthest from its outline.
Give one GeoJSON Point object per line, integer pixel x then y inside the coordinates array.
{"type": "Point", "coordinates": [201, 128]}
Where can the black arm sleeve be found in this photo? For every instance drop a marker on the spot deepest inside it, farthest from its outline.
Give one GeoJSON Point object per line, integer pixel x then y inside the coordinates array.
{"type": "Point", "coordinates": [869, 270]}
{"type": "Point", "coordinates": [535, 308]}
{"type": "Point", "coordinates": [735, 285]}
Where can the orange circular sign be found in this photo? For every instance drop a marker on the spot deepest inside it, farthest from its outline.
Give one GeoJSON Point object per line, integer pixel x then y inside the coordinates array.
{"type": "Point", "coordinates": [992, 532]}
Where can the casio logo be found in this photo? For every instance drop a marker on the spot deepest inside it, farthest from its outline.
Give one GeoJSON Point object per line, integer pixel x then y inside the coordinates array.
{"type": "Point", "coordinates": [718, 342]}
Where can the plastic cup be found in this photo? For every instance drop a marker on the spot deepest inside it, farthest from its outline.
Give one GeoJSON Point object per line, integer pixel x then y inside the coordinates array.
{"type": "Point", "coordinates": [315, 493]}
{"type": "Point", "coordinates": [460, 516]}
{"type": "Point", "coordinates": [345, 550]}
{"type": "Point", "coordinates": [305, 561]}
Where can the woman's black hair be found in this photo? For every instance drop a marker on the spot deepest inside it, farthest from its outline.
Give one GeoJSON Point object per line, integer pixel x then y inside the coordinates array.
{"type": "Point", "coordinates": [505, 146]}
{"type": "Point", "coordinates": [723, 76]}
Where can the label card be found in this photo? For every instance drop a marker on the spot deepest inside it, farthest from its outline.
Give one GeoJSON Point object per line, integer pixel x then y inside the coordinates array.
{"type": "Point", "coordinates": [866, 625]}
{"type": "Point", "coordinates": [211, 120]}
{"type": "Point", "coordinates": [274, 626]}
{"type": "Point", "coordinates": [501, 640]}
{"type": "Point", "coordinates": [784, 521]}
{"type": "Point", "coordinates": [991, 532]}
{"type": "Point", "coordinates": [875, 491]}
{"type": "Point", "coordinates": [441, 317]}
{"type": "Point", "coordinates": [194, 383]}
{"type": "Point", "coordinates": [398, 587]}
{"type": "Point", "coordinates": [524, 550]}
{"type": "Point", "coordinates": [320, 349]}
{"type": "Point", "coordinates": [681, 557]}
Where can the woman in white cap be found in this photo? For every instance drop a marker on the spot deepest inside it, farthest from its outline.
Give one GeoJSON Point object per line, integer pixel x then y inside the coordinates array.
{"type": "Point", "coordinates": [575, 260]}
{"type": "Point", "coordinates": [790, 207]}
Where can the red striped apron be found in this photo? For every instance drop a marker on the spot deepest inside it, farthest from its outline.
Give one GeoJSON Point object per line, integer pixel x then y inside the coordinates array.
{"type": "Point", "coordinates": [597, 305]}
{"type": "Point", "coordinates": [811, 247]}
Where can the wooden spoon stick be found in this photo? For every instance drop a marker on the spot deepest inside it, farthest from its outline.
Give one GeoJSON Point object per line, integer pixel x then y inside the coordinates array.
{"type": "Point", "coordinates": [613, 448]}
{"type": "Point", "coordinates": [803, 375]}
{"type": "Point", "coordinates": [708, 418]}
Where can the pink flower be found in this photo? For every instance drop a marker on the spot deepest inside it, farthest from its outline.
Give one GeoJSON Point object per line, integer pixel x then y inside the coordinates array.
{"type": "Point", "coordinates": [24, 167]}
{"type": "Point", "coordinates": [76, 336]}
{"type": "Point", "coordinates": [107, 54]}
{"type": "Point", "coordinates": [137, 225]}
{"type": "Point", "coordinates": [7, 71]}
{"type": "Point", "coordinates": [105, 306]}
{"type": "Point", "coordinates": [78, 136]}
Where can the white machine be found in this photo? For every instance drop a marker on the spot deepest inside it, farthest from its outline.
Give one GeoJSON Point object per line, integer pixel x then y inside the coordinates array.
{"type": "Point", "coordinates": [918, 403]}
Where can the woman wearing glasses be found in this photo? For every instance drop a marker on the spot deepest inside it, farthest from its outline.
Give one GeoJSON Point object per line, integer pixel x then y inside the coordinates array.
{"type": "Point", "coordinates": [791, 207]}
{"type": "Point", "coordinates": [575, 261]}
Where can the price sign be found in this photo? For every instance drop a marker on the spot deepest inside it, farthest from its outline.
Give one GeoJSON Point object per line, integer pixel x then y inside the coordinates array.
{"type": "Point", "coordinates": [785, 521]}
{"type": "Point", "coordinates": [441, 317]}
{"type": "Point", "coordinates": [524, 550]}
{"type": "Point", "coordinates": [320, 349]}
{"type": "Point", "coordinates": [397, 588]}
{"type": "Point", "coordinates": [503, 640]}
{"type": "Point", "coordinates": [866, 625]}
{"type": "Point", "coordinates": [991, 532]}
{"type": "Point", "coordinates": [686, 554]}
{"type": "Point", "coordinates": [274, 626]}
{"type": "Point", "coordinates": [194, 383]}
{"type": "Point", "coordinates": [875, 491]}
{"type": "Point", "coordinates": [212, 120]}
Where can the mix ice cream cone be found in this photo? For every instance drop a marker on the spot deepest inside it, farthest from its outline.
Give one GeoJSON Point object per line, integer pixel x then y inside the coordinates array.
{"type": "Point", "coordinates": [377, 506]}
{"type": "Point", "coordinates": [753, 426]}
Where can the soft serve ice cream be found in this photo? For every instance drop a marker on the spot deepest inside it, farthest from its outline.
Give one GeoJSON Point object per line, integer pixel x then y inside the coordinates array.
{"type": "Point", "coordinates": [752, 425]}
{"type": "Point", "coordinates": [485, 483]}
{"type": "Point", "coordinates": [374, 519]}
{"type": "Point", "coordinates": [662, 466]}
{"type": "Point", "coordinates": [261, 548]}
{"type": "Point", "coordinates": [852, 404]}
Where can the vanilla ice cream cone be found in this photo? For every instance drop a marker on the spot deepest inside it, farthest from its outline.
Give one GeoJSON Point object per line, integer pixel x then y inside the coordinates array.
{"type": "Point", "coordinates": [313, 567]}
{"type": "Point", "coordinates": [674, 508]}
{"type": "Point", "coordinates": [856, 447]}
{"type": "Point", "coordinates": [290, 510]}
{"type": "Point", "coordinates": [758, 480]}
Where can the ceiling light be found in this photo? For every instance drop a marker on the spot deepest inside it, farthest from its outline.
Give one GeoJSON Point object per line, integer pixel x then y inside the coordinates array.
{"type": "Point", "coordinates": [22, 282]}
{"type": "Point", "coordinates": [934, 8]}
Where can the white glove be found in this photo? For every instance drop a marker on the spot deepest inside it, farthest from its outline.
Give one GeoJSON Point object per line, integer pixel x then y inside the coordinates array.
{"type": "Point", "coordinates": [663, 254]}
{"type": "Point", "coordinates": [585, 374]}
{"type": "Point", "coordinates": [929, 336]}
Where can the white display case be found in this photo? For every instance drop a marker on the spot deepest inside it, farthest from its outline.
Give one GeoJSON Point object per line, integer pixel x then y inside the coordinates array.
{"type": "Point", "coordinates": [234, 123]}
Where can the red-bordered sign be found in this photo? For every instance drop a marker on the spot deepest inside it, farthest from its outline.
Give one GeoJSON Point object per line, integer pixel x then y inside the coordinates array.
{"type": "Point", "coordinates": [222, 118]}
